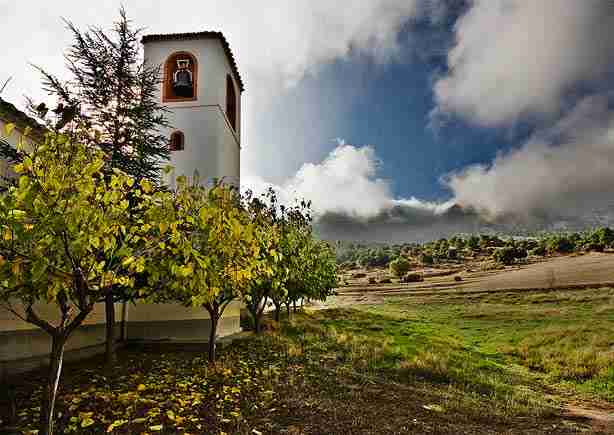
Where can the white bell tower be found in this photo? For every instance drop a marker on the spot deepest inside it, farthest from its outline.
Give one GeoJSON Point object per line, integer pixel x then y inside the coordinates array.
{"type": "Point", "coordinates": [202, 90]}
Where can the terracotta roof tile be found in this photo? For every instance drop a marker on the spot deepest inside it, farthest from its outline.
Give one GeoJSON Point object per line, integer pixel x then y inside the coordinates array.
{"type": "Point", "coordinates": [10, 113]}
{"type": "Point", "coordinates": [201, 35]}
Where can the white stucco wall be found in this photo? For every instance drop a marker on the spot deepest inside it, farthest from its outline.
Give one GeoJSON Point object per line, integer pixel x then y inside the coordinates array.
{"type": "Point", "coordinates": [211, 145]}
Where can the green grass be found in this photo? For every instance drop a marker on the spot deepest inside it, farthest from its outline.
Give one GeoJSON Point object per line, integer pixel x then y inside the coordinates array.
{"type": "Point", "coordinates": [564, 337]}
{"type": "Point", "coordinates": [415, 348]}
{"type": "Point", "coordinates": [506, 354]}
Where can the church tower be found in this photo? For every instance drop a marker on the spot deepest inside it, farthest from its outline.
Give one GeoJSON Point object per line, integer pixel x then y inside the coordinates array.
{"type": "Point", "coordinates": [201, 89]}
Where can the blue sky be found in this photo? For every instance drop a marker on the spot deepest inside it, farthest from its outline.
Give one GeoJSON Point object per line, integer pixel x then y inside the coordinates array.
{"type": "Point", "coordinates": [387, 106]}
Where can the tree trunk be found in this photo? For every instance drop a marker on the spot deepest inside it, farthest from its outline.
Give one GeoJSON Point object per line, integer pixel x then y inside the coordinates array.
{"type": "Point", "coordinates": [257, 326]}
{"type": "Point", "coordinates": [277, 311]}
{"type": "Point", "coordinates": [288, 309]}
{"type": "Point", "coordinates": [110, 355]}
{"type": "Point", "coordinates": [294, 303]}
{"type": "Point", "coordinates": [53, 379]}
{"type": "Point", "coordinates": [212, 335]}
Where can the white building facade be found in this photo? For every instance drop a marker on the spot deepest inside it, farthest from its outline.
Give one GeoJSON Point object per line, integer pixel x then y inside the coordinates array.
{"type": "Point", "coordinates": [208, 119]}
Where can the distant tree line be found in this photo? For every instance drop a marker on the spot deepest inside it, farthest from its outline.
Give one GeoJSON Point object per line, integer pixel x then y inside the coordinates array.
{"type": "Point", "coordinates": [505, 250]}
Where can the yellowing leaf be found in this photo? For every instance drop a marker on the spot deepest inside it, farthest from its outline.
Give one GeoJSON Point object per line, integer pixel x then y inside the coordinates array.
{"type": "Point", "coordinates": [156, 428]}
{"type": "Point", "coordinates": [141, 387]}
{"type": "Point", "coordinates": [116, 424]}
{"type": "Point", "coordinates": [146, 186]}
{"type": "Point", "coordinates": [8, 129]}
{"type": "Point", "coordinates": [88, 421]}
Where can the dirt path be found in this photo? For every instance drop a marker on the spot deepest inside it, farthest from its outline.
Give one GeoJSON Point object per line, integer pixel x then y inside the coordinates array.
{"type": "Point", "coordinates": [600, 418]}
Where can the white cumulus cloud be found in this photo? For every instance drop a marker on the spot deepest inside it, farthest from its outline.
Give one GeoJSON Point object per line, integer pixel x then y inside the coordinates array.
{"type": "Point", "coordinates": [515, 58]}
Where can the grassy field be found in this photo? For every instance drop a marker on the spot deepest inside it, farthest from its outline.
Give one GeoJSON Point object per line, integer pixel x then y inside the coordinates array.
{"type": "Point", "coordinates": [470, 364]}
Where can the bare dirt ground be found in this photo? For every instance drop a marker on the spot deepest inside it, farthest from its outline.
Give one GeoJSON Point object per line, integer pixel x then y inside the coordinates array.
{"type": "Point", "coordinates": [594, 269]}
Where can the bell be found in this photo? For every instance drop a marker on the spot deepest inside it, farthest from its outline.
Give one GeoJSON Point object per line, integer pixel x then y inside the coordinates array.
{"type": "Point", "coordinates": [182, 84]}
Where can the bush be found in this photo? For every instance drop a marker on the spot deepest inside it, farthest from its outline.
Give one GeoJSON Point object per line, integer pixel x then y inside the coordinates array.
{"type": "Point", "coordinates": [359, 275]}
{"type": "Point", "coordinates": [520, 253]}
{"type": "Point", "coordinates": [426, 258]}
{"type": "Point", "coordinates": [538, 251]}
{"type": "Point", "coordinates": [605, 235]}
{"type": "Point", "coordinates": [413, 277]}
{"type": "Point", "coordinates": [594, 247]}
{"type": "Point", "coordinates": [473, 243]}
{"type": "Point", "coordinates": [560, 244]}
{"type": "Point", "coordinates": [506, 255]}
{"type": "Point", "coordinates": [400, 266]}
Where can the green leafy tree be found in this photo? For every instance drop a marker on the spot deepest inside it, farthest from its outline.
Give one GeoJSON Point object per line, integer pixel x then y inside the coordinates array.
{"type": "Point", "coordinates": [110, 103]}
{"type": "Point", "coordinates": [59, 225]}
{"type": "Point", "coordinates": [400, 266]}
{"type": "Point", "coordinates": [314, 273]}
{"type": "Point", "coordinates": [560, 243]}
{"type": "Point", "coordinates": [292, 224]}
{"type": "Point", "coordinates": [473, 243]}
{"type": "Point", "coordinates": [211, 258]}
{"type": "Point", "coordinates": [262, 211]}
{"type": "Point", "coordinates": [605, 236]}
{"type": "Point", "coordinates": [505, 255]}
{"type": "Point", "coordinates": [426, 258]}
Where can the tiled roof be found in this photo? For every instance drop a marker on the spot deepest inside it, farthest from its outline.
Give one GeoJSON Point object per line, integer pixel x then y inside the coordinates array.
{"type": "Point", "coordinates": [10, 113]}
{"type": "Point", "coordinates": [201, 35]}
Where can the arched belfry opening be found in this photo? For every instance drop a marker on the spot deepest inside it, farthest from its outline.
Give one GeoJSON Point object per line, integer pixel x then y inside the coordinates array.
{"type": "Point", "coordinates": [231, 102]}
{"type": "Point", "coordinates": [180, 77]}
{"type": "Point", "coordinates": [177, 141]}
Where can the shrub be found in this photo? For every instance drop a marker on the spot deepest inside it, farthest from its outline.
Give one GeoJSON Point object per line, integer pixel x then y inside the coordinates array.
{"type": "Point", "coordinates": [520, 253]}
{"type": "Point", "coordinates": [594, 247]}
{"type": "Point", "coordinates": [538, 251]}
{"type": "Point", "coordinates": [400, 266]}
{"type": "Point", "coordinates": [473, 243]}
{"type": "Point", "coordinates": [560, 244]}
{"type": "Point", "coordinates": [605, 235]}
{"type": "Point", "coordinates": [413, 277]}
{"type": "Point", "coordinates": [505, 255]}
{"type": "Point", "coordinates": [426, 258]}
{"type": "Point", "coordinates": [359, 275]}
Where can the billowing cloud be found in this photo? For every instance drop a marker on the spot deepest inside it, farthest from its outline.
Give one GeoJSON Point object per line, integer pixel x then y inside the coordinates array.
{"type": "Point", "coordinates": [519, 58]}
{"type": "Point", "coordinates": [350, 201]}
{"type": "Point", "coordinates": [561, 172]}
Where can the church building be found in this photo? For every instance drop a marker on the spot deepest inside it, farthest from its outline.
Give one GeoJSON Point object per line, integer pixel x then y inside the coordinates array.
{"type": "Point", "coordinates": [201, 90]}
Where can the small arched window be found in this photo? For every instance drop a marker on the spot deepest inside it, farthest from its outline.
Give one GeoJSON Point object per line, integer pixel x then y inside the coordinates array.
{"type": "Point", "coordinates": [180, 77]}
{"type": "Point", "coordinates": [231, 102]}
{"type": "Point", "coordinates": [177, 142]}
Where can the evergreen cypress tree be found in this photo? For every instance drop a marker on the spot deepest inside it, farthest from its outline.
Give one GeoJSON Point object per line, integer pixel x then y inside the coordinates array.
{"type": "Point", "coordinates": [113, 93]}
